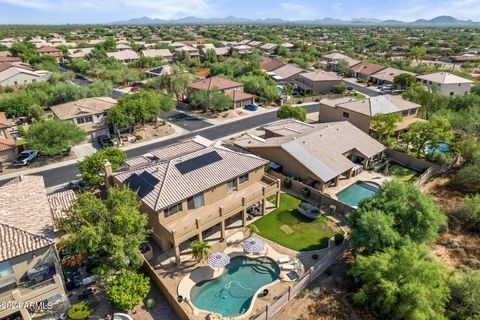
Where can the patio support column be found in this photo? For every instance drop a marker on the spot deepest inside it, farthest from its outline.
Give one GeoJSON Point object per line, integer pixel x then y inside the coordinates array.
{"type": "Point", "coordinates": [365, 164]}
{"type": "Point", "coordinates": [336, 180]}
{"type": "Point", "coordinates": [222, 229]}
{"type": "Point", "coordinates": [264, 200]}
{"type": "Point", "coordinates": [277, 199]}
{"type": "Point", "coordinates": [200, 236]}
{"type": "Point", "coordinates": [322, 187]}
{"type": "Point", "coordinates": [244, 212]}
{"type": "Point", "coordinates": [349, 173]}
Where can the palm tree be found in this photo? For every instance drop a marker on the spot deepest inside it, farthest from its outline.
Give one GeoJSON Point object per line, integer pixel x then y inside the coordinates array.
{"type": "Point", "coordinates": [200, 250]}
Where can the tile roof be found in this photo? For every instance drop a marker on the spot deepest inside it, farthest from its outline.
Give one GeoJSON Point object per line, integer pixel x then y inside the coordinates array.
{"type": "Point", "coordinates": [83, 107]}
{"type": "Point", "coordinates": [321, 149]}
{"type": "Point", "coordinates": [269, 64]}
{"type": "Point", "coordinates": [26, 221]}
{"type": "Point", "coordinates": [165, 183]}
{"type": "Point", "coordinates": [444, 78]}
{"type": "Point", "coordinates": [7, 144]}
{"type": "Point", "coordinates": [123, 55]}
{"type": "Point", "coordinates": [60, 202]}
{"type": "Point", "coordinates": [366, 68]}
{"type": "Point", "coordinates": [320, 76]}
{"type": "Point", "coordinates": [152, 53]}
{"type": "Point", "coordinates": [4, 123]}
{"type": "Point", "coordinates": [286, 71]}
{"type": "Point", "coordinates": [10, 59]}
{"type": "Point", "coordinates": [287, 127]}
{"type": "Point", "coordinates": [48, 50]}
{"type": "Point", "coordinates": [214, 83]}
{"type": "Point", "coordinates": [239, 95]}
{"type": "Point", "coordinates": [380, 104]}
{"type": "Point", "coordinates": [389, 74]}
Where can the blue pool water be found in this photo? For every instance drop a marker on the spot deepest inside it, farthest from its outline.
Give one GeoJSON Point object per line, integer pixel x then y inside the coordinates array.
{"type": "Point", "coordinates": [231, 294]}
{"type": "Point", "coordinates": [357, 192]}
{"type": "Point", "coordinates": [280, 89]}
{"type": "Point", "coordinates": [441, 148]}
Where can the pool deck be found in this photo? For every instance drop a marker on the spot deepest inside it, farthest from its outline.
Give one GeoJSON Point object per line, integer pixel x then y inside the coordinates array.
{"type": "Point", "coordinates": [367, 176]}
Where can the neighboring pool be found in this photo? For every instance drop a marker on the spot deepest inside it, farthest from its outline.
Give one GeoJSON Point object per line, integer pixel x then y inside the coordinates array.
{"type": "Point", "coordinates": [231, 294]}
{"type": "Point", "coordinates": [440, 148]}
{"type": "Point", "coordinates": [358, 191]}
{"type": "Point", "coordinates": [280, 89]}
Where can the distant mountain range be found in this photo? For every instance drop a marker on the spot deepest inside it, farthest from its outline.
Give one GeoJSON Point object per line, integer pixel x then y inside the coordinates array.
{"type": "Point", "coordinates": [441, 21]}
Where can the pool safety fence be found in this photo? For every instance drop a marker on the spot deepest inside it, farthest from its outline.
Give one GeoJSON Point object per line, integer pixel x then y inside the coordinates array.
{"type": "Point", "coordinates": [315, 197]}
{"type": "Point", "coordinates": [308, 277]}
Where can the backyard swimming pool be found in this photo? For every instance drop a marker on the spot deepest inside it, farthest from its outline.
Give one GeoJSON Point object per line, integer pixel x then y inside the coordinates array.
{"type": "Point", "coordinates": [231, 294]}
{"type": "Point", "coordinates": [358, 191]}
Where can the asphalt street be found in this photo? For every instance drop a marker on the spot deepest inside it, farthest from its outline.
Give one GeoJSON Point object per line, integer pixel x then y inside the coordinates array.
{"type": "Point", "coordinates": [361, 89]}
{"type": "Point", "coordinates": [65, 174]}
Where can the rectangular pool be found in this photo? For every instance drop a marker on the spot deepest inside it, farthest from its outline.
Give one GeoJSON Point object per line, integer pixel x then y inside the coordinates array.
{"type": "Point", "coordinates": [353, 194]}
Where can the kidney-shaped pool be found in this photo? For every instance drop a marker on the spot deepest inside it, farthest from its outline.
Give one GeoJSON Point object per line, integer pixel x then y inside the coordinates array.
{"type": "Point", "coordinates": [231, 294]}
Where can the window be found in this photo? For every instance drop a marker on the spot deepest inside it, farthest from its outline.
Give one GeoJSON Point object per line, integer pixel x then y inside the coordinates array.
{"type": "Point", "coordinates": [5, 269]}
{"type": "Point", "coordinates": [452, 93]}
{"type": "Point", "coordinates": [83, 120]}
{"type": "Point", "coordinates": [345, 114]}
{"type": "Point", "coordinates": [170, 211]}
{"type": "Point", "coordinates": [195, 202]}
{"type": "Point", "coordinates": [243, 178]}
{"type": "Point", "coordinates": [232, 185]}
{"type": "Point", "coordinates": [405, 113]}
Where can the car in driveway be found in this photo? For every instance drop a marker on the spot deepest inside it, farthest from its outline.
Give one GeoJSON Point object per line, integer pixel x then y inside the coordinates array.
{"type": "Point", "coordinates": [105, 141]}
{"type": "Point", "coordinates": [251, 107]}
{"type": "Point", "coordinates": [25, 158]}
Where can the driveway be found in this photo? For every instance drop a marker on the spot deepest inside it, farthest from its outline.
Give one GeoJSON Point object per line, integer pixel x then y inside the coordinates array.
{"type": "Point", "coordinates": [367, 91]}
{"type": "Point", "coordinates": [184, 120]}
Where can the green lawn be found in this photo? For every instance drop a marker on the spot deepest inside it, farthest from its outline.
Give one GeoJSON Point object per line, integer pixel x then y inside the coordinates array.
{"type": "Point", "coordinates": [287, 227]}
{"type": "Point", "coordinates": [402, 173]}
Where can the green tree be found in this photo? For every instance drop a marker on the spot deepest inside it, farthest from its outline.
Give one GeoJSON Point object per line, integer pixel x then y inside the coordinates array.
{"type": "Point", "coordinates": [91, 165]}
{"type": "Point", "coordinates": [200, 250]}
{"type": "Point", "coordinates": [35, 111]}
{"type": "Point", "coordinates": [430, 102]}
{"type": "Point", "coordinates": [339, 88]}
{"type": "Point", "coordinates": [99, 89]}
{"type": "Point", "coordinates": [342, 66]}
{"type": "Point", "coordinates": [465, 296]}
{"type": "Point", "coordinates": [110, 232]}
{"type": "Point", "coordinates": [402, 284]}
{"type": "Point", "coordinates": [143, 105]}
{"type": "Point", "coordinates": [398, 213]}
{"type": "Point", "coordinates": [260, 86]}
{"type": "Point", "coordinates": [65, 92]}
{"type": "Point", "coordinates": [211, 100]}
{"type": "Point", "coordinates": [422, 134]}
{"type": "Point", "coordinates": [418, 53]}
{"type": "Point", "coordinates": [470, 211]}
{"type": "Point", "coordinates": [51, 137]}
{"type": "Point", "coordinates": [404, 80]}
{"type": "Point", "coordinates": [210, 56]}
{"type": "Point", "coordinates": [385, 126]}
{"type": "Point", "coordinates": [288, 111]}
{"type": "Point", "coordinates": [127, 290]}
{"type": "Point", "coordinates": [120, 117]}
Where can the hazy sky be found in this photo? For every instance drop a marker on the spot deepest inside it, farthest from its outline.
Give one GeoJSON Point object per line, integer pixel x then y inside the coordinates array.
{"type": "Point", "coordinates": [92, 11]}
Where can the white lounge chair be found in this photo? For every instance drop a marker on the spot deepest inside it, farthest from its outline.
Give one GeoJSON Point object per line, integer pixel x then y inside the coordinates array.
{"type": "Point", "coordinates": [284, 259]}
{"type": "Point", "coordinates": [288, 267]}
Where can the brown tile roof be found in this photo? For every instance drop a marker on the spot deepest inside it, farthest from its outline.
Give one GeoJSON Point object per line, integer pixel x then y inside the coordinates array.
{"type": "Point", "coordinates": [320, 76]}
{"type": "Point", "coordinates": [60, 202]}
{"type": "Point", "coordinates": [7, 144]}
{"type": "Point", "coordinates": [380, 104]}
{"type": "Point", "coordinates": [444, 78]}
{"type": "Point", "coordinates": [10, 59]}
{"type": "Point", "coordinates": [214, 83]}
{"type": "Point", "coordinates": [49, 50]}
{"type": "Point", "coordinates": [25, 217]}
{"type": "Point", "coordinates": [83, 107]}
{"type": "Point", "coordinates": [239, 95]}
{"type": "Point", "coordinates": [168, 182]}
{"type": "Point", "coordinates": [366, 68]}
{"type": "Point", "coordinates": [7, 65]}
{"type": "Point", "coordinates": [269, 64]}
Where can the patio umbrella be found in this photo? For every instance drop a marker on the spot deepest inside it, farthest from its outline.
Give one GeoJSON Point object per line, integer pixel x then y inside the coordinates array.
{"type": "Point", "coordinates": [218, 260]}
{"type": "Point", "coordinates": [253, 245]}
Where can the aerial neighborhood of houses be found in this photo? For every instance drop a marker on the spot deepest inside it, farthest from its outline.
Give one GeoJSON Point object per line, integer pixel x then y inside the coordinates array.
{"type": "Point", "coordinates": [221, 171]}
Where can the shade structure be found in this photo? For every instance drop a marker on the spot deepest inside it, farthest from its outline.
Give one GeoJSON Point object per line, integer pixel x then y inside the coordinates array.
{"type": "Point", "coordinates": [218, 260]}
{"type": "Point", "coordinates": [253, 244]}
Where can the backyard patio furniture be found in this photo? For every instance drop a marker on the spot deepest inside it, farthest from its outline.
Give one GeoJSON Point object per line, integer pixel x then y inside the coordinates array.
{"type": "Point", "coordinates": [309, 210]}
{"type": "Point", "coordinates": [284, 259]}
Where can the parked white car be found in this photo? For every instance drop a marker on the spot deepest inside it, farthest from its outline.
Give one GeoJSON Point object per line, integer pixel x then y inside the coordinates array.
{"type": "Point", "coordinates": [25, 157]}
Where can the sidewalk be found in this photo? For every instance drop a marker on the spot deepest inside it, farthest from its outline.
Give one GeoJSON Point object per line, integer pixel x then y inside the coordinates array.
{"type": "Point", "coordinates": [86, 149]}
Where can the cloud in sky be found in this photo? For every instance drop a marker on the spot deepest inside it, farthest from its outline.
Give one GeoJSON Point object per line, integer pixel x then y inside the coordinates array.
{"type": "Point", "coordinates": [89, 11]}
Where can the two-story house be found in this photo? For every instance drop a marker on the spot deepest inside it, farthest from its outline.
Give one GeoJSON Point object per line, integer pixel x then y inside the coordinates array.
{"type": "Point", "coordinates": [194, 185]}
{"type": "Point", "coordinates": [361, 112]}
{"type": "Point", "coordinates": [30, 271]}
{"type": "Point", "coordinates": [447, 84]}
{"type": "Point", "coordinates": [231, 88]}
{"type": "Point", "coordinates": [330, 61]}
{"type": "Point", "coordinates": [88, 113]}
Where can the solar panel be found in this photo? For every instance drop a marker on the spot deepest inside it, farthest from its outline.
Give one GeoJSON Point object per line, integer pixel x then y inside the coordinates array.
{"type": "Point", "coordinates": [143, 184]}
{"type": "Point", "coordinates": [198, 162]}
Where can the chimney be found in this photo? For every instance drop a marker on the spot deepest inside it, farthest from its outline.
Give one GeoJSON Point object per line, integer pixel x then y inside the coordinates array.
{"type": "Point", "coordinates": [107, 169]}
